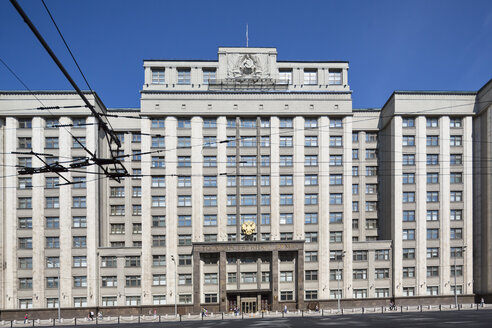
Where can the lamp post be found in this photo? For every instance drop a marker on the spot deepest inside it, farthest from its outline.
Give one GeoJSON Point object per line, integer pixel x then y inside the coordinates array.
{"type": "Point", "coordinates": [58, 284]}
{"type": "Point", "coordinates": [456, 287]}
{"type": "Point", "coordinates": [175, 288]}
{"type": "Point", "coordinates": [339, 294]}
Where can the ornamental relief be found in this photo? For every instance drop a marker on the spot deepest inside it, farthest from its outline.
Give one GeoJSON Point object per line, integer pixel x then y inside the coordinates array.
{"type": "Point", "coordinates": [247, 66]}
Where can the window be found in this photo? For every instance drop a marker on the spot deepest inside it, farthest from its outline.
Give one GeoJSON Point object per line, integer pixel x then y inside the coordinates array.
{"type": "Point", "coordinates": [408, 197]}
{"type": "Point", "coordinates": [311, 256]}
{"type": "Point", "coordinates": [210, 220]}
{"type": "Point", "coordinates": [158, 76]}
{"type": "Point", "coordinates": [286, 199]}
{"type": "Point", "coordinates": [408, 272]}
{"type": "Point", "coordinates": [79, 142]}
{"type": "Point", "coordinates": [286, 218]}
{"type": "Point", "coordinates": [52, 202]}
{"type": "Point", "coordinates": [246, 161]}
{"type": "Point", "coordinates": [311, 141]}
{"type": "Point", "coordinates": [336, 199]}
{"type": "Point", "coordinates": [355, 171]}
{"type": "Point", "coordinates": [432, 141]}
{"type": "Point", "coordinates": [286, 236]}
{"type": "Point", "coordinates": [109, 281]}
{"type": "Point", "coordinates": [310, 199]}
{"type": "Point", "coordinates": [371, 223]}
{"type": "Point", "coordinates": [52, 242]}
{"type": "Point", "coordinates": [209, 76]}
{"type": "Point", "coordinates": [382, 273]}
{"type": "Point", "coordinates": [336, 141]}
{"type": "Point", "coordinates": [432, 215]}
{"type": "Point", "coordinates": [432, 178]}
{"type": "Point", "coordinates": [310, 123]}
{"type": "Point", "coordinates": [432, 159]}
{"type": "Point", "coordinates": [408, 141]}
{"type": "Point", "coordinates": [381, 292]}
{"type": "Point", "coordinates": [158, 142]}
{"type": "Point", "coordinates": [211, 142]}
{"type": "Point", "coordinates": [432, 196]}
{"type": "Point", "coordinates": [79, 183]}
{"type": "Point", "coordinates": [408, 291]}
{"type": "Point", "coordinates": [456, 233]}
{"type": "Point", "coordinates": [456, 159]}
{"type": "Point", "coordinates": [184, 221]}
{"type": "Point", "coordinates": [311, 275]}
{"type": "Point", "coordinates": [158, 260]}
{"type": "Point", "coordinates": [184, 123]}
{"type": "Point", "coordinates": [408, 253]}
{"type": "Point", "coordinates": [456, 252]}
{"type": "Point", "coordinates": [310, 77]}
{"type": "Point", "coordinates": [371, 171]}
{"type": "Point", "coordinates": [336, 179]}
{"type": "Point", "coordinates": [456, 215]}
{"type": "Point", "coordinates": [133, 281]}
{"type": "Point", "coordinates": [335, 160]}
{"type": "Point", "coordinates": [456, 196]}
{"type": "Point", "coordinates": [158, 201]}
{"type": "Point", "coordinates": [184, 200]}
{"type": "Point", "coordinates": [108, 261]}
{"type": "Point", "coordinates": [265, 160]}
{"type": "Point", "coordinates": [231, 200]}
{"type": "Point", "coordinates": [432, 271]}
{"type": "Point", "coordinates": [52, 142]}
{"type": "Point", "coordinates": [408, 234]}
{"type": "Point", "coordinates": [25, 283]}
{"type": "Point", "coordinates": [311, 218]}
{"type": "Point", "coordinates": [80, 281]}
{"type": "Point", "coordinates": [231, 181]}
{"type": "Point", "coordinates": [336, 236]}
{"type": "Point", "coordinates": [371, 153]}
{"type": "Point", "coordinates": [24, 142]}
{"type": "Point", "coordinates": [311, 237]}
{"type": "Point", "coordinates": [136, 137]}
{"type": "Point", "coordinates": [118, 228]}
{"type": "Point", "coordinates": [265, 219]}
{"type": "Point", "coordinates": [184, 75]}
{"type": "Point", "coordinates": [79, 202]}
{"type": "Point", "coordinates": [371, 189]}
{"type": "Point", "coordinates": [456, 177]}
{"type": "Point", "coordinates": [455, 122]}
{"type": "Point", "coordinates": [455, 141]}
{"type": "Point", "coordinates": [285, 76]}
{"type": "Point", "coordinates": [248, 123]}
{"type": "Point", "coordinates": [136, 209]}
{"type": "Point", "coordinates": [355, 189]}
{"type": "Point", "coordinates": [52, 222]}
{"type": "Point", "coordinates": [265, 180]}
{"type": "Point", "coordinates": [209, 200]}
{"type": "Point", "coordinates": [432, 234]}
{"type": "Point", "coordinates": [408, 122]}
{"type": "Point", "coordinates": [360, 293]}
{"type": "Point", "coordinates": [359, 255]}
{"type": "Point", "coordinates": [408, 159]}
{"type": "Point", "coordinates": [132, 300]}
{"type": "Point", "coordinates": [25, 262]}
{"type": "Point", "coordinates": [26, 183]}
{"type": "Point", "coordinates": [336, 217]}
{"type": "Point", "coordinates": [24, 223]}
{"type": "Point", "coordinates": [381, 255]}
{"type": "Point", "coordinates": [336, 274]}
{"type": "Point", "coordinates": [335, 76]}
{"type": "Point", "coordinates": [286, 276]}
{"type": "Point", "coordinates": [79, 242]}
{"type": "Point", "coordinates": [158, 280]}
{"type": "Point", "coordinates": [432, 122]}
{"type": "Point", "coordinates": [24, 202]}
{"type": "Point", "coordinates": [432, 252]}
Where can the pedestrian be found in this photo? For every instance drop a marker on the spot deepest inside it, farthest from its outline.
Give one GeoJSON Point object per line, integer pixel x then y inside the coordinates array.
{"type": "Point", "coordinates": [100, 315]}
{"type": "Point", "coordinates": [482, 302]}
{"type": "Point", "coordinates": [317, 309]}
{"type": "Point", "coordinates": [92, 315]}
{"type": "Point", "coordinates": [26, 318]}
{"type": "Point", "coordinates": [285, 308]}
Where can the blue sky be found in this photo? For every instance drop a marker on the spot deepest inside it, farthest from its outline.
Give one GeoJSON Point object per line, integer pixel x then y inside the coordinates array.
{"type": "Point", "coordinates": [391, 45]}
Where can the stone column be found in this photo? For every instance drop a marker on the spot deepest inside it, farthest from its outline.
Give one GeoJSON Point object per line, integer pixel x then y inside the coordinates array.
{"type": "Point", "coordinates": [324, 209]}
{"type": "Point", "coordinates": [196, 282]}
{"type": "Point", "coordinates": [421, 206]}
{"type": "Point", "coordinates": [274, 281]}
{"type": "Point", "coordinates": [300, 279]}
{"type": "Point", "coordinates": [222, 282]}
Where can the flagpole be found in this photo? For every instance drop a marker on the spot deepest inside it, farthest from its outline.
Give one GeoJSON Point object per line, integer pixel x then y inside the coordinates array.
{"type": "Point", "coordinates": [247, 41]}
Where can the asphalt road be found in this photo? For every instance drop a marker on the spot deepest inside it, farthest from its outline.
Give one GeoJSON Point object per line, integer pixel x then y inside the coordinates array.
{"type": "Point", "coordinates": [462, 319]}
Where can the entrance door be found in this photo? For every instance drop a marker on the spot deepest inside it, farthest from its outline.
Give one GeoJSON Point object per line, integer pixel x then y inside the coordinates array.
{"type": "Point", "coordinates": [248, 305]}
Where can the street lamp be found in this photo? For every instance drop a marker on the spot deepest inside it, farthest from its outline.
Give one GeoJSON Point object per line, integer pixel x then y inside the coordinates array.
{"type": "Point", "coordinates": [339, 293]}
{"type": "Point", "coordinates": [59, 299]}
{"type": "Point", "coordinates": [175, 289]}
{"type": "Point", "coordinates": [456, 287]}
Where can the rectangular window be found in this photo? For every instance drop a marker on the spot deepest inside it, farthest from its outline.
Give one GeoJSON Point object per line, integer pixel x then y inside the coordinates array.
{"type": "Point", "coordinates": [432, 141]}
{"type": "Point", "coordinates": [432, 178]}
{"type": "Point", "coordinates": [79, 242]}
{"type": "Point", "coordinates": [209, 76]}
{"type": "Point", "coordinates": [408, 122]}
{"type": "Point", "coordinates": [456, 233]}
{"type": "Point", "coordinates": [432, 215]}
{"type": "Point", "coordinates": [158, 76]}
{"type": "Point", "coordinates": [432, 252]}
{"type": "Point", "coordinates": [336, 179]}
{"type": "Point", "coordinates": [408, 272]}
{"type": "Point", "coordinates": [336, 141]}
{"type": "Point", "coordinates": [51, 142]}
{"type": "Point", "coordinates": [360, 293]}
{"type": "Point", "coordinates": [310, 77]}
{"type": "Point", "coordinates": [432, 234]}
{"type": "Point", "coordinates": [432, 159]}
{"type": "Point", "coordinates": [408, 253]}
{"type": "Point", "coordinates": [455, 141]}
{"type": "Point", "coordinates": [456, 177]}
{"type": "Point", "coordinates": [456, 215]}
{"type": "Point", "coordinates": [52, 222]}
{"type": "Point", "coordinates": [184, 76]}
{"type": "Point", "coordinates": [286, 218]}
{"type": "Point", "coordinates": [335, 76]}
{"type": "Point", "coordinates": [381, 255]}
{"type": "Point", "coordinates": [455, 122]}
{"type": "Point", "coordinates": [408, 234]}
{"type": "Point", "coordinates": [158, 201]}
{"type": "Point", "coordinates": [408, 141]}
{"type": "Point", "coordinates": [336, 217]}
{"type": "Point", "coordinates": [311, 218]}
{"type": "Point", "coordinates": [456, 159]}
{"type": "Point", "coordinates": [432, 196]}
{"type": "Point", "coordinates": [456, 196]}
{"type": "Point", "coordinates": [336, 236]}
{"type": "Point", "coordinates": [184, 221]}
{"type": "Point", "coordinates": [408, 197]}
{"type": "Point", "coordinates": [408, 159]}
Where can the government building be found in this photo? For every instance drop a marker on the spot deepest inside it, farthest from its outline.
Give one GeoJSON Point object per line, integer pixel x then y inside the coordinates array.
{"type": "Point", "coordinates": [252, 183]}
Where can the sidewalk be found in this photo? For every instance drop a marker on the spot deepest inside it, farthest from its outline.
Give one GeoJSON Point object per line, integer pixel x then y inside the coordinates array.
{"type": "Point", "coordinates": [230, 316]}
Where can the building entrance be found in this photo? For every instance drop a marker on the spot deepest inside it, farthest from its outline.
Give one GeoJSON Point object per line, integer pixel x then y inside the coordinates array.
{"type": "Point", "coordinates": [248, 305]}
